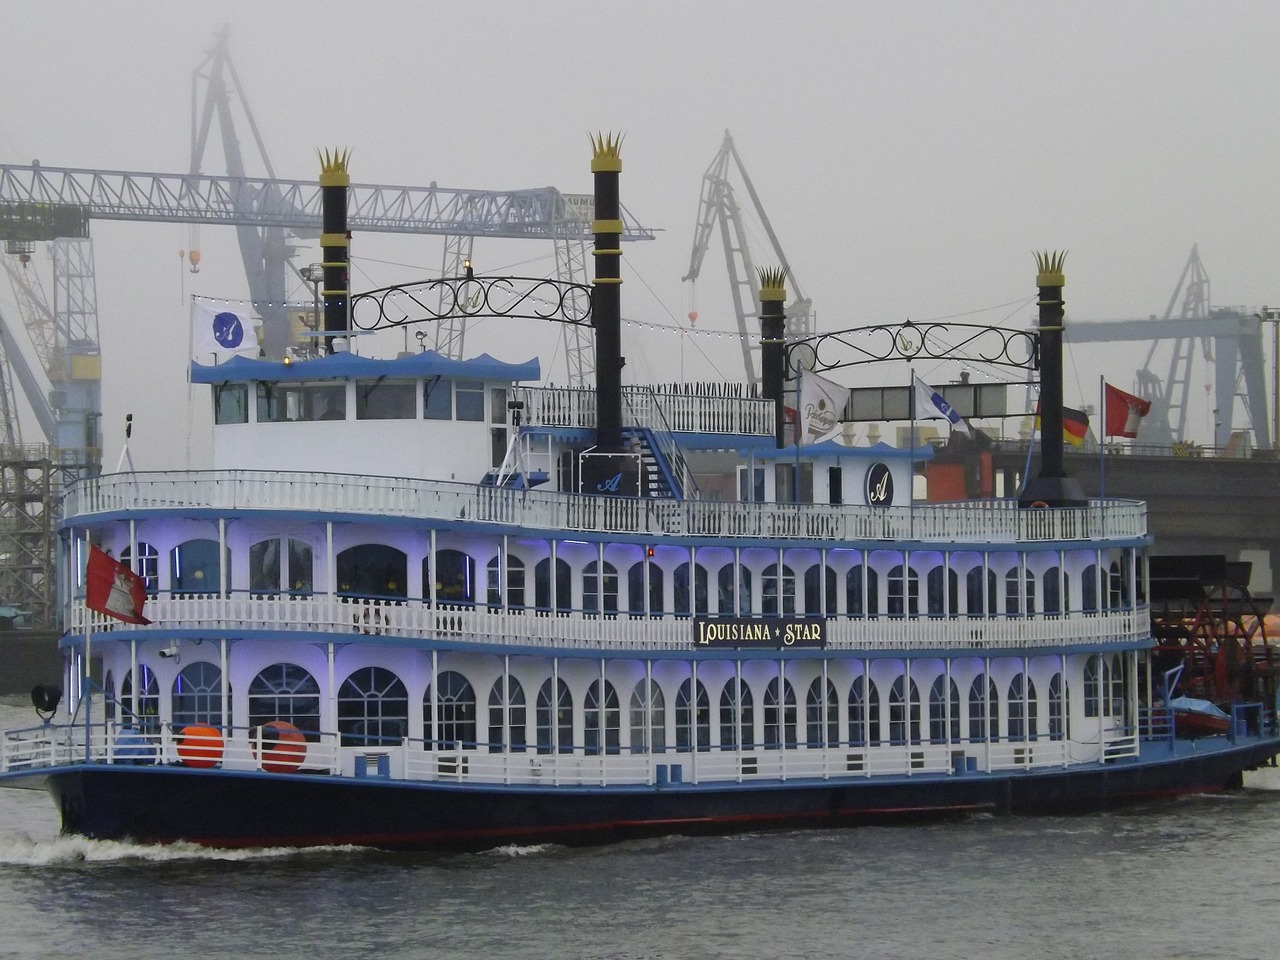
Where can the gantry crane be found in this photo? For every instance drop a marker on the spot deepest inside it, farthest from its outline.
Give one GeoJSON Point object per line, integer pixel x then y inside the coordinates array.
{"type": "Point", "coordinates": [719, 206]}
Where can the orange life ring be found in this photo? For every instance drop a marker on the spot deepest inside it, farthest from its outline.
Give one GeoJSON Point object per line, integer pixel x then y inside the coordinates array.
{"type": "Point", "coordinates": [283, 746]}
{"type": "Point", "coordinates": [1039, 505]}
{"type": "Point", "coordinates": [199, 746]}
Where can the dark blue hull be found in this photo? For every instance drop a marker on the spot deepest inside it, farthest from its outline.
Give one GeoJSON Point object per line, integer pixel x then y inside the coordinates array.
{"type": "Point", "coordinates": [229, 809]}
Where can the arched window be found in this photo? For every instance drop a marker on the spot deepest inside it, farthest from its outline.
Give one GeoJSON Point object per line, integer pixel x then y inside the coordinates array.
{"type": "Point", "coordinates": [648, 718]}
{"type": "Point", "coordinates": [904, 592]}
{"type": "Point", "coordinates": [944, 711]}
{"type": "Point", "coordinates": [682, 595]}
{"type": "Point", "coordinates": [507, 716]}
{"type": "Point", "coordinates": [822, 715]}
{"type": "Point", "coordinates": [455, 704]}
{"type": "Point", "coordinates": [779, 715]}
{"type": "Point", "coordinates": [1020, 601]}
{"type": "Point", "coordinates": [1056, 725]}
{"type": "Point", "coordinates": [778, 591]}
{"type": "Point", "coordinates": [864, 713]}
{"type": "Point", "coordinates": [455, 582]}
{"type": "Point", "coordinates": [193, 567]}
{"type": "Point", "coordinates": [1089, 588]}
{"type": "Point", "coordinates": [600, 588]}
{"type": "Point", "coordinates": [147, 565]}
{"type": "Point", "coordinates": [373, 708]}
{"type": "Point", "coordinates": [601, 719]}
{"type": "Point", "coordinates": [980, 602]}
{"type": "Point", "coordinates": [737, 716]}
{"type": "Point", "coordinates": [543, 587]}
{"type": "Point", "coordinates": [635, 589]}
{"type": "Point", "coordinates": [197, 695]}
{"type": "Point", "coordinates": [515, 582]}
{"type": "Point", "coordinates": [904, 712]}
{"type": "Point", "coordinates": [1053, 599]}
{"type": "Point", "coordinates": [145, 717]}
{"type": "Point", "coordinates": [1092, 687]}
{"type": "Point", "coordinates": [1118, 698]}
{"type": "Point", "coordinates": [936, 603]}
{"type": "Point", "coordinates": [693, 717]}
{"type": "Point", "coordinates": [734, 598]}
{"type": "Point", "coordinates": [860, 603]}
{"type": "Point", "coordinates": [984, 712]}
{"type": "Point", "coordinates": [109, 695]}
{"type": "Point", "coordinates": [813, 584]}
{"type": "Point", "coordinates": [373, 571]}
{"type": "Point", "coordinates": [1023, 710]}
{"type": "Point", "coordinates": [554, 721]}
{"type": "Point", "coordinates": [1115, 587]}
{"type": "Point", "coordinates": [285, 691]}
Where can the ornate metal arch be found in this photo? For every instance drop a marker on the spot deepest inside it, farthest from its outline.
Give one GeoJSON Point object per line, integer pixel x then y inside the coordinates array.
{"type": "Point", "coordinates": [525, 298]}
{"type": "Point", "coordinates": [978, 343]}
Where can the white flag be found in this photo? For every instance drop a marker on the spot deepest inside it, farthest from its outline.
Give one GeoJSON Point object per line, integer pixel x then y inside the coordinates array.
{"type": "Point", "coordinates": [929, 403]}
{"type": "Point", "coordinates": [822, 403]}
{"type": "Point", "coordinates": [223, 333]}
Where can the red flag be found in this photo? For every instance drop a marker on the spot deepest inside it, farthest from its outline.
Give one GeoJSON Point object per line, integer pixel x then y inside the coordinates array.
{"type": "Point", "coordinates": [1124, 412]}
{"type": "Point", "coordinates": [114, 589]}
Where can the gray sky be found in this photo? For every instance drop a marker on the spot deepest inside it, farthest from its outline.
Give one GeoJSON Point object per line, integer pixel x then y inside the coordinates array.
{"type": "Point", "coordinates": [910, 155]}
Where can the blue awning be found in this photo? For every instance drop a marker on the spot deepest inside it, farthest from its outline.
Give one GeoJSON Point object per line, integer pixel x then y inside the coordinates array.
{"type": "Point", "coordinates": [347, 366]}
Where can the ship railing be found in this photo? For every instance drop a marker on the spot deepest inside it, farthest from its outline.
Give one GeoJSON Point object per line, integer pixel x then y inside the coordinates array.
{"type": "Point", "coordinates": [685, 411]}
{"type": "Point", "coordinates": [1155, 723]}
{"type": "Point", "coordinates": [463, 624]}
{"type": "Point", "coordinates": [987, 521]}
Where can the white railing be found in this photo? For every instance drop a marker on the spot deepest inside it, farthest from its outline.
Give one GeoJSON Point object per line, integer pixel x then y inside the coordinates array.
{"type": "Point", "coordinates": [412, 759]}
{"type": "Point", "coordinates": [683, 413]}
{"type": "Point", "coordinates": [985, 522]}
{"type": "Point", "coordinates": [462, 625]}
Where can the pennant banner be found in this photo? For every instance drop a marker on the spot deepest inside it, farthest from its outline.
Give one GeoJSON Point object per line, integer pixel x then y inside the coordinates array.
{"type": "Point", "coordinates": [1124, 412]}
{"type": "Point", "coordinates": [929, 403]}
{"type": "Point", "coordinates": [112, 588]}
{"type": "Point", "coordinates": [223, 333]}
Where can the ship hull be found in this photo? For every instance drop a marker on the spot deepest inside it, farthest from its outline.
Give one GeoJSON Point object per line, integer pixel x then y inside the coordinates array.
{"type": "Point", "coordinates": [230, 809]}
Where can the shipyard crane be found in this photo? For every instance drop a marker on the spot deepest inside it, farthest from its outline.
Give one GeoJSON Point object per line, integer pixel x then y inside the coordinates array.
{"type": "Point", "coordinates": [719, 206]}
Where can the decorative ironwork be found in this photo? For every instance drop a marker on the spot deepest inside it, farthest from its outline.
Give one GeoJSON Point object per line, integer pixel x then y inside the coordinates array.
{"type": "Point", "coordinates": [976, 343]}
{"type": "Point", "coordinates": [524, 298]}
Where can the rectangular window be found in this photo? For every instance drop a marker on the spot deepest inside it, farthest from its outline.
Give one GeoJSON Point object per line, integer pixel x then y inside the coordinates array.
{"type": "Point", "coordinates": [438, 398]}
{"type": "Point", "coordinates": [469, 400]}
{"type": "Point", "coordinates": [835, 486]}
{"type": "Point", "coordinates": [751, 484]}
{"type": "Point", "coordinates": [231, 403]}
{"type": "Point", "coordinates": [498, 405]}
{"type": "Point", "coordinates": [379, 400]}
{"type": "Point", "coordinates": [279, 403]}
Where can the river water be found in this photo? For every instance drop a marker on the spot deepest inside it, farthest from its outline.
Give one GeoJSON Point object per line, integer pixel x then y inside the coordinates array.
{"type": "Point", "coordinates": [1197, 877]}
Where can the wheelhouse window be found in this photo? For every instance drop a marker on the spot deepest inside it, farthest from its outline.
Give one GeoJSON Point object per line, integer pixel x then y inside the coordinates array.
{"type": "Point", "coordinates": [197, 695]}
{"type": "Point", "coordinates": [380, 400]}
{"type": "Point", "coordinates": [286, 691]}
{"type": "Point", "coordinates": [373, 708]}
{"type": "Point", "coordinates": [231, 403]}
{"type": "Point", "coordinates": [453, 399]}
{"type": "Point", "coordinates": [296, 402]}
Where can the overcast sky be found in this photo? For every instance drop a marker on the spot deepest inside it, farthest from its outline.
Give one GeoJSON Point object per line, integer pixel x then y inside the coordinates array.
{"type": "Point", "coordinates": [911, 156]}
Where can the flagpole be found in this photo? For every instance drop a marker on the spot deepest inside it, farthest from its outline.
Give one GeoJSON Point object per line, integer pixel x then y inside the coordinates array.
{"type": "Point", "coordinates": [88, 659]}
{"type": "Point", "coordinates": [911, 474]}
{"type": "Point", "coordinates": [1102, 437]}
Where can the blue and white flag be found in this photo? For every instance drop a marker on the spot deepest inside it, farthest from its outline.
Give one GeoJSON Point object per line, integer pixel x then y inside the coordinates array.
{"type": "Point", "coordinates": [929, 403]}
{"type": "Point", "coordinates": [221, 332]}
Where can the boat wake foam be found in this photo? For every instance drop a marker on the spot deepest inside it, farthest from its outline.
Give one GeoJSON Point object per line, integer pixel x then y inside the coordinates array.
{"type": "Point", "coordinates": [23, 851]}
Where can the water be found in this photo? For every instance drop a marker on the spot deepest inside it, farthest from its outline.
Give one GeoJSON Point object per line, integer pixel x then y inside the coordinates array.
{"type": "Point", "coordinates": [1198, 877]}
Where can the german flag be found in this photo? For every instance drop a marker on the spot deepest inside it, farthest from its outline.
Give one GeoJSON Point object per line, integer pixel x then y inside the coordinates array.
{"type": "Point", "coordinates": [1075, 425]}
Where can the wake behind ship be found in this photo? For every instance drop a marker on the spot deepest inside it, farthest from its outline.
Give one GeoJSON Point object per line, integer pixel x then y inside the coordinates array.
{"type": "Point", "coordinates": [423, 602]}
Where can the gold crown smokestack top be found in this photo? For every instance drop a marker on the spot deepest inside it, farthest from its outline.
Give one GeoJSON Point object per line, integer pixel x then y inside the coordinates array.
{"type": "Point", "coordinates": [335, 182]}
{"type": "Point", "coordinates": [773, 294]}
{"type": "Point", "coordinates": [1052, 487]}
